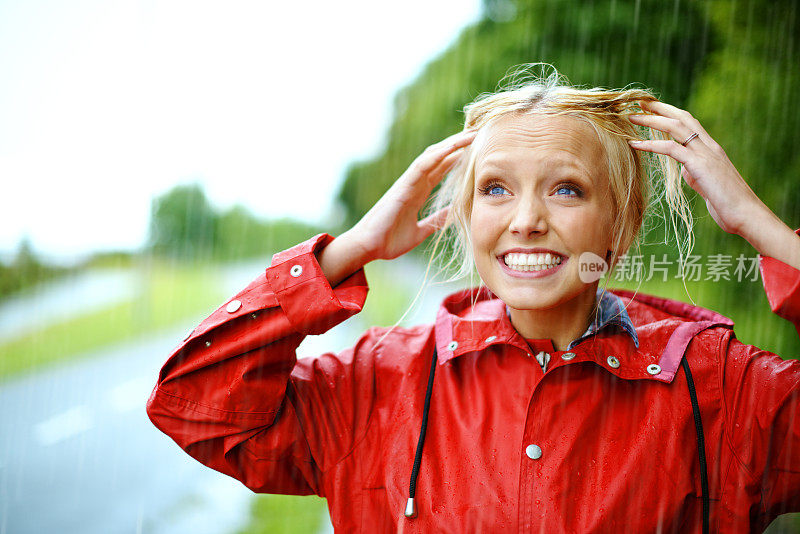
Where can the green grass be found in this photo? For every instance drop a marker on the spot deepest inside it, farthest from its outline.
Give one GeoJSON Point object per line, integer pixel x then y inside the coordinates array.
{"type": "Point", "coordinates": [167, 294]}
{"type": "Point", "coordinates": [285, 514]}
{"type": "Point", "coordinates": [784, 524]}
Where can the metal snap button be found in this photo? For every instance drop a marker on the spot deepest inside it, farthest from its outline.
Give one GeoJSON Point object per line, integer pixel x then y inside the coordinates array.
{"type": "Point", "coordinates": [567, 356]}
{"type": "Point", "coordinates": [253, 315]}
{"type": "Point", "coordinates": [613, 361]}
{"type": "Point", "coordinates": [208, 343]}
{"type": "Point", "coordinates": [233, 306]}
{"type": "Point", "coordinates": [453, 345]}
{"type": "Point", "coordinates": [296, 270]}
{"type": "Point", "coordinates": [653, 369]}
{"type": "Point", "coordinates": [534, 452]}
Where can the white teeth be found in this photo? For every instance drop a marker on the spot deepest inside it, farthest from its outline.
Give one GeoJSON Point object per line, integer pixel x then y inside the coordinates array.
{"type": "Point", "coordinates": [531, 262]}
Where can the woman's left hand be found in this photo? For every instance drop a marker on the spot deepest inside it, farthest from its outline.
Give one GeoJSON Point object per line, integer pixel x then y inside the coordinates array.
{"type": "Point", "coordinates": [707, 170]}
{"type": "Point", "coordinates": [706, 167]}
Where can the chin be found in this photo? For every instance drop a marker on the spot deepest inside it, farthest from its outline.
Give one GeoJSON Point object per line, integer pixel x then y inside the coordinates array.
{"type": "Point", "coordinates": [536, 299]}
{"type": "Point", "coordinates": [529, 304]}
{"type": "Point", "coordinates": [529, 300]}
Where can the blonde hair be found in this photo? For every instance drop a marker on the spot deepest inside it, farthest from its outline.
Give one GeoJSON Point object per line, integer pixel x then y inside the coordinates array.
{"type": "Point", "coordinates": [635, 192]}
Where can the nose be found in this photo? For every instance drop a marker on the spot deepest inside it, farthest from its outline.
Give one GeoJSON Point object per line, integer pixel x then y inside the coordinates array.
{"type": "Point", "coordinates": [529, 218]}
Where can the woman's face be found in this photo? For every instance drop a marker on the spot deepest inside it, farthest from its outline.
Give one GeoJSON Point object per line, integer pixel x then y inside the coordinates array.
{"type": "Point", "coordinates": [541, 185]}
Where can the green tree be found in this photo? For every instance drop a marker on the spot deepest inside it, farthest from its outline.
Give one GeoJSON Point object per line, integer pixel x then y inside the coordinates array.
{"type": "Point", "coordinates": [240, 234]}
{"type": "Point", "coordinates": [26, 270]}
{"type": "Point", "coordinates": [182, 223]}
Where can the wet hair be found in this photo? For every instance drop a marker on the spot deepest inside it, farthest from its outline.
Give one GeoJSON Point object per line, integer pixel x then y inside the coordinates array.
{"type": "Point", "coordinates": [639, 183]}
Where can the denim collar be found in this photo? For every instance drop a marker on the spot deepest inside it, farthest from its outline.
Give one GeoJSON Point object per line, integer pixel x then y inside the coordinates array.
{"type": "Point", "coordinates": [610, 312]}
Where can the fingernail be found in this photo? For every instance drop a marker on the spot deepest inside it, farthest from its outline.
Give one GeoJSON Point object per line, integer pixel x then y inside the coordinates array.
{"type": "Point", "coordinates": [635, 142]}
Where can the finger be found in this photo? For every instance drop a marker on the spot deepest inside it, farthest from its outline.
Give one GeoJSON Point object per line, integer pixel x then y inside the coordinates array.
{"type": "Point", "coordinates": [675, 151]}
{"type": "Point", "coordinates": [668, 148]}
{"type": "Point", "coordinates": [434, 154]}
{"type": "Point", "coordinates": [454, 142]}
{"type": "Point", "coordinates": [673, 127]}
{"type": "Point", "coordinates": [433, 222]}
{"type": "Point", "coordinates": [458, 137]}
{"type": "Point", "coordinates": [446, 165]}
{"type": "Point", "coordinates": [679, 114]}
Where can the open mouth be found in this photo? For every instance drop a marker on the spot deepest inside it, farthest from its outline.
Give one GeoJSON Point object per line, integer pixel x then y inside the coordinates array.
{"type": "Point", "coordinates": [535, 262]}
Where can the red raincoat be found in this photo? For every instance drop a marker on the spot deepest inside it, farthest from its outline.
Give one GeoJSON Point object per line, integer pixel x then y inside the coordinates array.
{"type": "Point", "coordinates": [618, 449]}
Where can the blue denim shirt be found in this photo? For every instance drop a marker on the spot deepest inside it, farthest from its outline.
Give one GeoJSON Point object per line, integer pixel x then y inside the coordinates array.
{"type": "Point", "coordinates": [610, 312]}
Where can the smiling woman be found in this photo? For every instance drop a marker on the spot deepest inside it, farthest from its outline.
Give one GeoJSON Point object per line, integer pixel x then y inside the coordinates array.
{"type": "Point", "coordinates": [541, 189]}
{"type": "Point", "coordinates": [536, 401]}
{"type": "Point", "coordinates": [591, 128]}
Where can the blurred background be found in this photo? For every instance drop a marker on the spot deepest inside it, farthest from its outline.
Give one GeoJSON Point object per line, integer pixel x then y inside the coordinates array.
{"type": "Point", "coordinates": [155, 154]}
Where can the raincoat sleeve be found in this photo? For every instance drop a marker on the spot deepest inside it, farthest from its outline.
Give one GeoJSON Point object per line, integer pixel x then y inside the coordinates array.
{"type": "Point", "coordinates": [762, 400]}
{"type": "Point", "coordinates": [234, 397]}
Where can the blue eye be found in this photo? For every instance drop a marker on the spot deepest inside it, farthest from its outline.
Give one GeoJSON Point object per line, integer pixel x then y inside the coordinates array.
{"type": "Point", "coordinates": [493, 189]}
{"type": "Point", "coordinates": [568, 188]}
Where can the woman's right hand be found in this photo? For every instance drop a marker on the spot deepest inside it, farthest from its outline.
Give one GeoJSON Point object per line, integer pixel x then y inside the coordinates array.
{"type": "Point", "coordinates": [391, 227]}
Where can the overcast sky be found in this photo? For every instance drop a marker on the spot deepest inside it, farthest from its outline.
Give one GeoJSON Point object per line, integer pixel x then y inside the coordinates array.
{"type": "Point", "coordinates": [105, 104]}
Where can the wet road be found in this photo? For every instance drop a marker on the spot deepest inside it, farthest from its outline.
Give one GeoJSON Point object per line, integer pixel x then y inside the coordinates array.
{"type": "Point", "coordinates": [78, 454]}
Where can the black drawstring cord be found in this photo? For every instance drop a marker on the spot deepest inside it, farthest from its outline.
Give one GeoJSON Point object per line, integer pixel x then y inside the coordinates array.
{"type": "Point", "coordinates": [701, 445]}
{"type": "Point", "coordinates": [411, 509]}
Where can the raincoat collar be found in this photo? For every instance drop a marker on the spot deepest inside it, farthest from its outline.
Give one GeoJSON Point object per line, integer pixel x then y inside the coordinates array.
{"type": "Point", "coordinates": [654, 332]}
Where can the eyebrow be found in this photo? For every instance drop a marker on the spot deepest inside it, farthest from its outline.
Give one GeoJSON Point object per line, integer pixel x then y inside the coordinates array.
{"type": "Point", "coordinates": [559, 164]}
